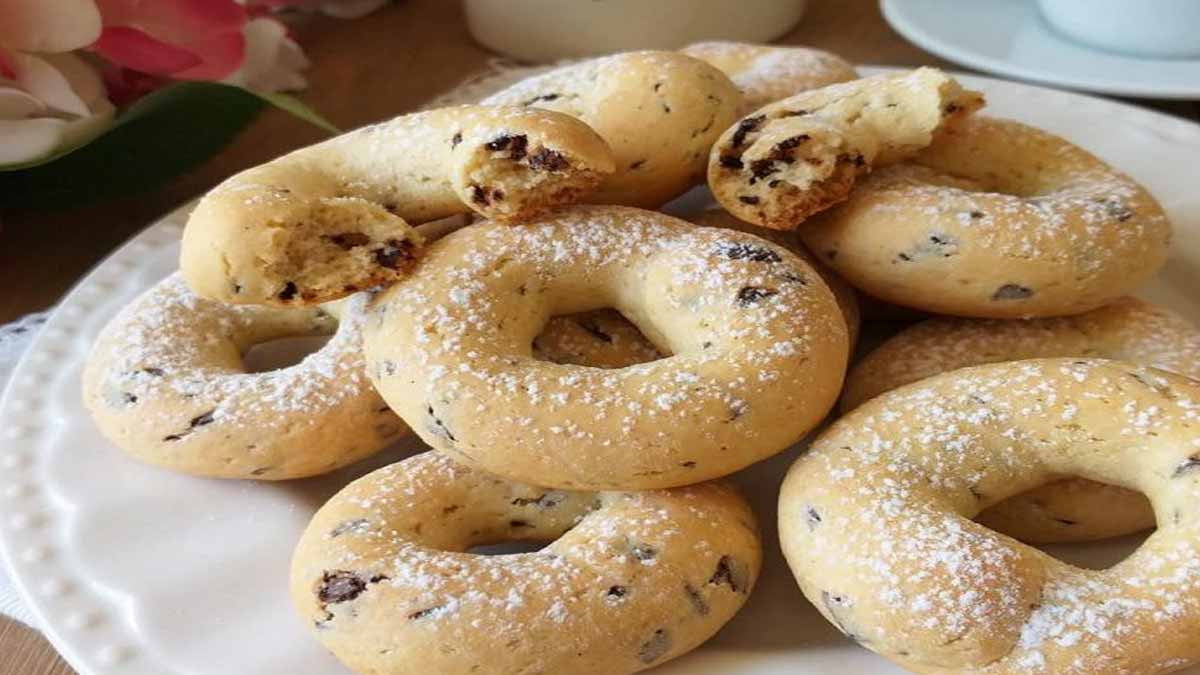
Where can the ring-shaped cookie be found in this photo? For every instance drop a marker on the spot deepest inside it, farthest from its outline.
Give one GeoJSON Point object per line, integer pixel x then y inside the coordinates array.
{"type": "Point", "coordinates": [165, 382]}
{"type": "Point", "coordinates": [1128, 329]}
{"type": "Point", "coordinates": [335, 218]}
{"type": "Point", "coordinates": [385, 576]}
{"type": "Point", "coordinates": [659, 112]}
{"type": "Point", "coordinates": [875, 520]}
{"type": "Point", "coordinates": [766, 73]}
{"type": "Point", "coordinates": [999, 220]}
{"type": "Point", "coordinates": [759, 349]}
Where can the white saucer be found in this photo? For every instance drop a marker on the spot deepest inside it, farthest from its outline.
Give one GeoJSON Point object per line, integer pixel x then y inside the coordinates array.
{"type": "Point", "coordinates": [1009, 37]}
{"type": "Point", "coordinates": [133, 570]}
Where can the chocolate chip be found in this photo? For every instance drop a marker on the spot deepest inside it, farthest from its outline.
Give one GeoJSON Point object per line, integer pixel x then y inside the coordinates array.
{"type": "Point", "coordinates": [543, 97]}
{"type": "Point", "coordinates": [340, 586]}
{"type": "Point", "coordinates": [1012, 292]}
{"type": "Point", "coordinates": [348, 240]}
{"type": "Point", "coordinates": [498, 143]}
{"type": "Point", "coordinates": [201, 420]}
{"type": "Point", "coordinates": [423, 613]}
{"type": "Point", "coordinates": [456, 139]}
{"type": "Point", "coordinates": [439, 428]}
{"type": "Point", "coordinates": [813, 517]}
{"type": "Point", "coordinates": [518, 150]}
{"type": "Point", "coordinates": [730, 162]}
{"type": "Point", "coordinates": [394, 253]}
{"type": "Point", "coordinates": [730, 572]}
{"type": "Point", "coordinates": [747, 199]}
{"type": "Point", "coordinates": [357, 526]}
{"type": "Point", "coordinates": [288, 292]}
{"type": "Point", "coordinates": [790, 143]}
{"type": "Point", "coordinates": [761, 168]}
{"type": "Point", "coordinates": [744, 127]}
{"type": "Point", "coordinates": [644, 552]}
{"type": "Point", "coordinates": [654, 648]}
{"type": "Point", "coordinates": [479, 195]}
{"type": "Point", "coordinates": [750, 295]}
{"type": "Point", "coordinates": [1187, 466]}
{"type": "Point", "coordinates": [497, 195]}
{"type": "Point", "coordinates": [129, 398]}
{"type": "Point", "coordinates": [976, 215]}
{"type": "Point", "coordinates": [542, 501]}
{"type": "Point", "coordinates": [699, 604]}
{"type": "Point", "coordinates": [743, 251]}
{"type": "Point", "coordinates": [547, 160]}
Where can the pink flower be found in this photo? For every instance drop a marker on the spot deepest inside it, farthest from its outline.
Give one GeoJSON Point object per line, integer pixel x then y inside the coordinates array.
{"type": "Point", "coordinates": [181, 39]}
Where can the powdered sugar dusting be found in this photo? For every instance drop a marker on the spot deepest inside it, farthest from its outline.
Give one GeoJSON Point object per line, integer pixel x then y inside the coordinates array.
{"type": "Point", "coordinates": [893, 483]}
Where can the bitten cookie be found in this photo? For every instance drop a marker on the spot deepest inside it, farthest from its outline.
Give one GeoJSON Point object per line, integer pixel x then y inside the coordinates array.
{"type": "Point", "coordinates": [996, 220]}
{"type": "Point", "coordinates": [385, 577]}
{"type": "Point", "coordinates": [795, 157]}
{"type": "Point", "coordinates": [1128, 329]}
{"type": "Point", "coordinates": [875, 524]}
{"type": "Point", "coordinates": [165, 382]}
{"type": "Point", "coordinates": [767, 73]}
{"type": "Point", "coordinates": [659, 111]}
{"type": "Point", "coordinates": [334, 218]}
{"type": "Point", "coordinates": [759, 349]}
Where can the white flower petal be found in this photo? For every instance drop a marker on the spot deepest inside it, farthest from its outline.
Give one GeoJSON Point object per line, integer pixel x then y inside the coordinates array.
{"type": "Point", "coordinates": [31, 139]}
{"type": "Point", "coordinates": [16, 104]}
{"type": "Point", "coordinates": [82, 76]}
{"type": "Point", "coordinates": [44, 81]}
{"type": "Point", "coordinates": [27, 140]}
{"type": "Point", "coordinates": [48, 25]}
{"type": "Point", "coordinates": [273, 60]}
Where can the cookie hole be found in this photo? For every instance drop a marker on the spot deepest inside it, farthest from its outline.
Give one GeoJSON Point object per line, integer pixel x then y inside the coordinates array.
{"type": "Point", "coordinates": [282, 352]}
{"type": "Point", "coordinates": [1095, 525]}
{"type": "Point", "coordinates": [601, 338]}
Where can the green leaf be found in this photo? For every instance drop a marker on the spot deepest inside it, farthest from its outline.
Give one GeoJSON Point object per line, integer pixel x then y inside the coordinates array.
{"type": "Point", "coordinates": [160, 136]}
{"type": "Point", "coordinates": [296, 107]}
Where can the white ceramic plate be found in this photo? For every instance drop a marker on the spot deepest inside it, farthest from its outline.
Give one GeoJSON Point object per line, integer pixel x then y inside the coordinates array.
{"type": "Point", "coordinates": [134, 570]}
{"type": "Point", "coordinates": [1009, 37]}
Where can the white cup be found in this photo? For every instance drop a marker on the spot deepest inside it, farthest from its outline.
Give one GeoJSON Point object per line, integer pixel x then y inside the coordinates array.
{"type": "Point", "coordinates": [546, 30]}
{"type": "Point", "coordinates": [1151, 28]}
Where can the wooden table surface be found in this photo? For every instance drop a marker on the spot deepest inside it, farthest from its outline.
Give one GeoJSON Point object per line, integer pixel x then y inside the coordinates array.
{"type": "Point", "coordinates": [363, 71]}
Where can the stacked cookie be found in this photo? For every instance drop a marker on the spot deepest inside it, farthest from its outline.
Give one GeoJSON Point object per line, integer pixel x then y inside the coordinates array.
{"type": "Point", "coordinates": [582, 373]}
